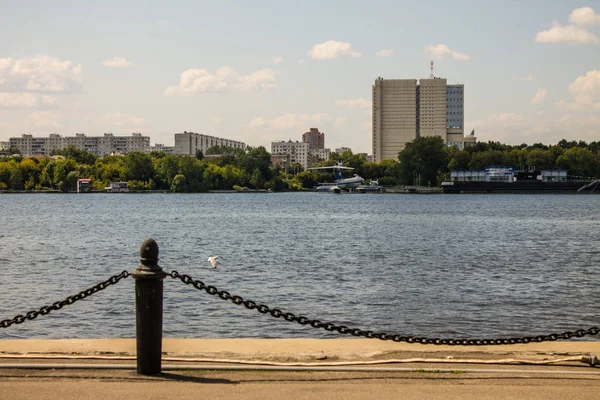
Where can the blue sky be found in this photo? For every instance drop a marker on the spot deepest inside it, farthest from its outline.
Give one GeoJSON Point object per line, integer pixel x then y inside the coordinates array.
{"type": "Point", "coordinates": [259, 71]}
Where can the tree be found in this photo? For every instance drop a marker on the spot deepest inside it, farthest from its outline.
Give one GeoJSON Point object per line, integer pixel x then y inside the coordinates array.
{"type": "Point", "coordinates": [179, 184]}
{"type": "Point", "coordinates": [257, 180]}
{"type": "Point", "coordinates": [139, 167]}
{"type": "Point", "coordinates": [539, 158]}
{"type": "Point", "coordinates": [460, 160]}
{"type": "Point", "coordinates": [81, 156]}
{"type": "Point", "coordinates": [579, 162]}
{"type": "Point", "coordinates": [423, 158]}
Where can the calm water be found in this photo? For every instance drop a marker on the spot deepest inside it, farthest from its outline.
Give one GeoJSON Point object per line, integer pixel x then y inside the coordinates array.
{"type": "Point", "coordinates": [428, 265]}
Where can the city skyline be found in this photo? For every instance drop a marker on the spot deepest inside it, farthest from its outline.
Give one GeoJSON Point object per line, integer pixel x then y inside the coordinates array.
{"type": "Point", "coordinates": [266, 71]}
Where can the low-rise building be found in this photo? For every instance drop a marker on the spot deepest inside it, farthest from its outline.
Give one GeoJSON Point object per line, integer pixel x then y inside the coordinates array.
{"type": "Point", "coordinates": [161, 148]}
{"type": "Point", "coordinates": [188, 143]}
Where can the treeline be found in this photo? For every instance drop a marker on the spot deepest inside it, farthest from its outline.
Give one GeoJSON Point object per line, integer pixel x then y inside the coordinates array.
{"type": "Point", "coordinates": [228, 169]}
{"type": "Point", "coordinates": [428, 160]}
{"type": "Point", "coordinates": [425, 161]}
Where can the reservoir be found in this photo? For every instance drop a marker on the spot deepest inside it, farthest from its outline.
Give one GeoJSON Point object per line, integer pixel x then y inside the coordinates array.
{"type": "Point", "coordinates": [457, 266]}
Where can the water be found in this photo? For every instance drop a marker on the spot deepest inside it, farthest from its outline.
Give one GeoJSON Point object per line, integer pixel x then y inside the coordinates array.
{"type": "Point", "coordinates": [427, 265]}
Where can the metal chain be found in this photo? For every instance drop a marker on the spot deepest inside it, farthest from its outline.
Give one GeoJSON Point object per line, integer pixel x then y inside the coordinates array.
{"type": "Point", "coordinates": [19, 319]}
{"type": "Point", "coordinates": [331, 327]}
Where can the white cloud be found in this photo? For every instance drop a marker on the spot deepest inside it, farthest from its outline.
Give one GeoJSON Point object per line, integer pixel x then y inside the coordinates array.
{"type": "Point", "coordinates": [528, 77]}
{"type": "Point", "coordinates": [597, 106]}
{"type": "Point", "coordinates": [258, 122]}
{"type": "Point", "coordinates": [301, 61]}
{"type": "Point", "coordinates": [443, 52]}
{"type": "Point", "coordinates": [289, 121]}
{"type": "Point", "coordinates": [339, 122]}
{"type": "Point", "coordinates": [354, 103]}
{"type": "Point", "coordinates": [385, 53]}
{"type": "Point", "coordinates": [44, 119]}
{"type": "Point", "coordinates": [215, 120]}
{"type": "Point", "coordinates": [586, 88]}
{"type": "Point", "coordinates": [278, 60]}
{"type": "Point", "coordinates": [118, 62]}
{"type": "Point", "coordinates": [120, 120]}
{"type": "Point", "coordinates": [258, 80]}
{"type": "Point", "coordinates": [539, 96]}
{"type": "Point", "coordinates": [366, 125]}
{"type": "Point", "coordinates": [332, 49]}
{"type": "Point", "coordinates": [584, 16]}
{"type": "Point", "coordinates": [225, 79]}
{"type": "Point", "coordinates": [570, 34]}
{"type": "Point", "coordinates": [39, 74]}
{"type": "Point", "coordinates": [25, 100]}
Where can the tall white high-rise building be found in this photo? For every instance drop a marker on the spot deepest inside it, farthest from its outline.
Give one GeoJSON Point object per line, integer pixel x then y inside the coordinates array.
{"type": "Point", "coordinates": [404, 110]}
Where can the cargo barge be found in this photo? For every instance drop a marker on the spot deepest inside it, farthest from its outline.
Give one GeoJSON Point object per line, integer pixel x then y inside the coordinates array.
{"type": "Point", "coordinates": [500, 179]}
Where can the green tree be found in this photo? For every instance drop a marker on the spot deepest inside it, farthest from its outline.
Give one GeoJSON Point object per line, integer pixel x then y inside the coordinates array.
{"type": "Point", "coordinates": [257, 180]}
{"type": "Point", "coordinates": [459, 160]}
{"type": "Point", "coordinates": [580, 162]}
{"type": "Point", "coordinates": [179, 184]}
{"type": "Point", "coordinates": [139, 167]}
{"type": "Point", "coordinates": [80, 156]}
{"type": "Point", "coordinates": [539, 158]}
{"type": "Point", "coordinates": [423, 158]}
{"type": "Point", "coordinates": [16, 179]}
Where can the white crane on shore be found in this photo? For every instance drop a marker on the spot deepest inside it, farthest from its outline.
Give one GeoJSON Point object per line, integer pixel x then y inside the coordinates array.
{"type": "Point", "coordinates": [213, 261]}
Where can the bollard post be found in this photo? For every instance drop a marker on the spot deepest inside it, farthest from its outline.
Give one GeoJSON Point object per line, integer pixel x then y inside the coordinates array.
{"type": "Point", "coordinates": [148, 309]}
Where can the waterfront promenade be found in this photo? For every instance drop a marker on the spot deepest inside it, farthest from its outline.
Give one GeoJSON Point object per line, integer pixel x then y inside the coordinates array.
{"type": "Point", "coordinates": [195, 368]}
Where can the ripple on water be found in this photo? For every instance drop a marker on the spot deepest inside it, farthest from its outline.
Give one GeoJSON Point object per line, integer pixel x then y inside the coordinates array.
{"type": "Point", "coordinates": [427, 266]}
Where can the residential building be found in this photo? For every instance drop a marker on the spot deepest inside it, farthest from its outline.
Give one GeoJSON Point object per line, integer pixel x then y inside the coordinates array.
{"type": "Point", "coordinates": [161, 148]}
{"type": "Point", "coordinates": [404, 110]}
{"type": "Point", "coordinates": [188, 143]}
{"type": "Point", "coordinates": [343, 149]}
{"type": "Point", "coordinates": [314, 138]}
{"type": "Point", "coordinates": [298, 152]}
{"type": "Point", "coordinates": [319, 155]}
{"type": "Point", "coordinates": [98, 145]}
{"type": "Point", "coordinates": [4, 146]}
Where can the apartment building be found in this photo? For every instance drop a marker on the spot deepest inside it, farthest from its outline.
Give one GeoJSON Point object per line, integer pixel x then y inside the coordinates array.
{"type": "Point", "coordinates": [188, 143]}
{"type": "Point", "coordinates": [98, 145]}
{"type": "Point", "coordinates": [298, 152]}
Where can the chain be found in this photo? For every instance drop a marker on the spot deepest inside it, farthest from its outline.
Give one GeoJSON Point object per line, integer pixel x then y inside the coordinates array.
{"type": "Point", "coordinates": [344, 330]}
{"type": "Point", "coordinates": [19, 319]}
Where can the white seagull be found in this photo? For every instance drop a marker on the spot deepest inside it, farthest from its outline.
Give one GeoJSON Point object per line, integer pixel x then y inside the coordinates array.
{"type": "Point", "coordinates": [213, 261]}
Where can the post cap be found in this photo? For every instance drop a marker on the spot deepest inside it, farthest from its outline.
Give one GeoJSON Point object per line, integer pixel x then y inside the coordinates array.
{"type": "Point", "coordinates": [149, 252]}
{"type": "Point", "coordinates": [148, 268]}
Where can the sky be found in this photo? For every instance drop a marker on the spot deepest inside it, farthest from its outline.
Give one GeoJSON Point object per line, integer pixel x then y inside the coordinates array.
{"type": "Point", "coordinates": [261, 71]}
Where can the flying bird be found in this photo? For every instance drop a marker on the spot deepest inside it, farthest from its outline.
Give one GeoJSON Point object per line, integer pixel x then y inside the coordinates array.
{"type": "Point", "coordinates": [213, 261]}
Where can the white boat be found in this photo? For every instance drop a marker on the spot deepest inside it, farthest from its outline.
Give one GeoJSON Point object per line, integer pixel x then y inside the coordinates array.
{"type": "Point", "coordinates": [118, 187]}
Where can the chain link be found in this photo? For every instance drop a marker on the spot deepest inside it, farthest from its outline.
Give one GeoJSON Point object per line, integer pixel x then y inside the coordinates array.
{"type": "Point", "coordinates": [344, 330]}
{"type": "Point", "coordinates": [19, 319]}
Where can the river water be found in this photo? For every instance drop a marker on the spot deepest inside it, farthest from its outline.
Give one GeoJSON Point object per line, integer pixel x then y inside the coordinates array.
{"type": "Point", "coordinates": [428, 265]}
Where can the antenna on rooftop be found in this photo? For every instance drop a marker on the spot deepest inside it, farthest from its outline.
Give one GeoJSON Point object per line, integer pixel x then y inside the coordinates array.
{"type": "Point", "coordinates": [431, 69]}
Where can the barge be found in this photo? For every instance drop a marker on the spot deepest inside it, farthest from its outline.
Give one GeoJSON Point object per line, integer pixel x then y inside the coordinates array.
{"type": "Point", "coordinates": [501, 179]}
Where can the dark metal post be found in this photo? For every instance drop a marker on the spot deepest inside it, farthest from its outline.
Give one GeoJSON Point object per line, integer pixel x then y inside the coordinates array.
{"type": "Point", "coordinates": [148, 309]}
